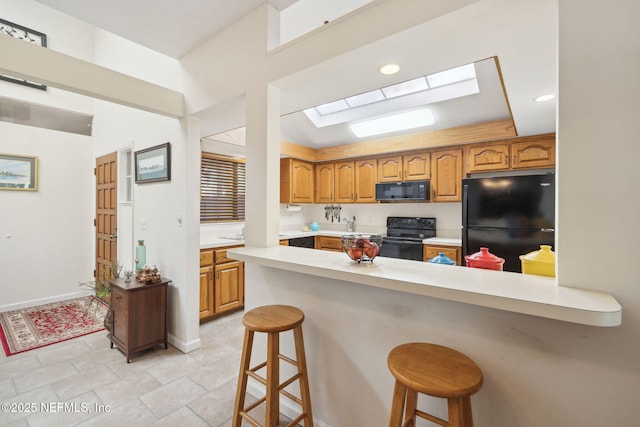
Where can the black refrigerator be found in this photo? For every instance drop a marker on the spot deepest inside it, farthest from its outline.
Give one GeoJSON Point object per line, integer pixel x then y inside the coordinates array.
{"type": "Point", "coordinates": [511, 215]}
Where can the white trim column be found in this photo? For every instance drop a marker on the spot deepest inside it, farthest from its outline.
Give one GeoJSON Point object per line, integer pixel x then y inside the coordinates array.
{"type": "Point", "coordinates": [262, 221]}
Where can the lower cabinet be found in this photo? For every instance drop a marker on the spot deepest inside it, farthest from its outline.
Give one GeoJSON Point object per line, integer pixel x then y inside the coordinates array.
{"type": "Point", "coordinates": [451, 252]}
{"type": "Point", "coordinates": [328, 243]}
{"type": "Point", "coordinates": [221, 282]}
{"type": "Point", "coordinates": [138, 315]}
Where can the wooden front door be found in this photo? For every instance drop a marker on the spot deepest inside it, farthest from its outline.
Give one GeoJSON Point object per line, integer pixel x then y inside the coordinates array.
{"type": "Point", "coordinates": [106, 221]}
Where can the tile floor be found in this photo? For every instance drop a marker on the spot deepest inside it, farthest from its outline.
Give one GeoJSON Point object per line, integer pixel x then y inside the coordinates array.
{"type": "Point", "coordinates": [82, 382]}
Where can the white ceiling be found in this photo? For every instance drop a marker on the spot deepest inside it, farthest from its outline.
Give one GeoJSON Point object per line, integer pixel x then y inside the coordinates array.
{"type": "Point", "coordinates": [167, 26]}
{"type": "Point", "coordinates": [525, 46]}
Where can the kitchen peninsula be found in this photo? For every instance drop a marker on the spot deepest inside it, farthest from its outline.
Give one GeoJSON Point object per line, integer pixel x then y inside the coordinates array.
{"type": "Point", "coordinates": [521, 293]}
{"type": "Point", "coordinates": [356, 313]}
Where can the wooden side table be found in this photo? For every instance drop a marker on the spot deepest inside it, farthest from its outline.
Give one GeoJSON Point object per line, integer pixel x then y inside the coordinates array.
{"type": "Point", "coordinates": [138, 315]}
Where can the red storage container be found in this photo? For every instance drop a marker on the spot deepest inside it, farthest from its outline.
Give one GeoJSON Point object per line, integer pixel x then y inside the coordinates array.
{"type": "Point", "coordinates": [484, 259]}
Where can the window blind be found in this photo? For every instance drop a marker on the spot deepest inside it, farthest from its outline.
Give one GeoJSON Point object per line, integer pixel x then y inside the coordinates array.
{"type": "Point", "coordinates": [222, 189]}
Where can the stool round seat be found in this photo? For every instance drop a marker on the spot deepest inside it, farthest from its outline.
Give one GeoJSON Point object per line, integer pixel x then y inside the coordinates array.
{"type": "Point", "coordinates": [437, 371]}
{"type": "Point", "coordinates": [273, 318]}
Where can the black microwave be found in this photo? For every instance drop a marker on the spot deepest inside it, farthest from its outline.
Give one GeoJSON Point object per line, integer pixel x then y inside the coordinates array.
{"type": "Point", "coordinates": [403, 191]}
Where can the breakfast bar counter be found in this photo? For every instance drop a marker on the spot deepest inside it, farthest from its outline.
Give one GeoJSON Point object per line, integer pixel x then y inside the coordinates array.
{"type": "Point", "coordinates": [518, 328]}
{"type": "Point", "coordinates": [520, 293]}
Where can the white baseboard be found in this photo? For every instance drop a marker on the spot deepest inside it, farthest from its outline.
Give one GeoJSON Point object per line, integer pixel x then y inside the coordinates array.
{"type": "Point", "coordinates": [287, 407]}
{"type": "Point", "coordinates": [183, 346]}
{"type": "Point", "coordinates": [41, 301]}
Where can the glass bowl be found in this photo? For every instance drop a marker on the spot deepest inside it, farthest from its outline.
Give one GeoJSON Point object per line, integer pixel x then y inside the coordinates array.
{"type": "Point", "coordinates": [361, 247]}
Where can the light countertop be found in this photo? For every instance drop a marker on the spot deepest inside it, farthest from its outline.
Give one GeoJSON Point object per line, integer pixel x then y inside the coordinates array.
{"type": "Point", "coordinates": [515, 292]}
{"type": "Point", "coordinates": [218, 242]}
{"type": "Point", "coordinates": [444, 241]}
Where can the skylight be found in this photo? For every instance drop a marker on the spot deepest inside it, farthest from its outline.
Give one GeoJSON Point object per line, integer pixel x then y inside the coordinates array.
{"type": "Point", "coordinates": [393, 123]}
{"type": "Point", "coordinates": [450, 84]}
{"type": "Point", "coordinates": [452, 75]}
{"type": "Point", "coordinates": [405, 88]}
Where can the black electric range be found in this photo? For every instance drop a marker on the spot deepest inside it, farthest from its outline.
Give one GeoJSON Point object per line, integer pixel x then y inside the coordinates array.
{"type": "Point", "coordinates": [404, 237]}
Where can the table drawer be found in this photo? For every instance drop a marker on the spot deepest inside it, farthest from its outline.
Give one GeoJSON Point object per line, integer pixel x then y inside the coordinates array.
{"type": "Point", "coordinates": [119, 299]}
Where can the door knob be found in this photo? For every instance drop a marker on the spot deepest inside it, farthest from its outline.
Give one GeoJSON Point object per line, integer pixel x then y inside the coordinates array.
{"type": "Point", "coordinates": [113, 236]}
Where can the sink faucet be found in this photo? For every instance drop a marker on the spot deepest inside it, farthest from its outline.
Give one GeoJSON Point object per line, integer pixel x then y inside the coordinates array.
{"type": "Point", "coordinates": [349, 223]}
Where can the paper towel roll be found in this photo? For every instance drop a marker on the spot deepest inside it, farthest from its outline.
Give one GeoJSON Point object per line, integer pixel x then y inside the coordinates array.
{"type": "Point", "coordinates": [293, 208]}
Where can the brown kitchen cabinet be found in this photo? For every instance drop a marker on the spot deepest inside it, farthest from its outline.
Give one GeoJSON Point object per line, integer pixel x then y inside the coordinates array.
{"type": "Point", "coordinates": [534, 152]}
{"type": "Point", "coordinates": [452, 252]}
{"type": "Point", "coordinates": [324, 182]}
{"type": "Point", "coordinates": [138, 315]}
{"type": "Point", "coordinates": [365, 181]}
{"type": "Point", "coordinates": [446, 175]}
{"type": "Point", "coordinates": [344, 182]}
{"type": "Point", "coordinates": [527, 152]}
{"type": "Point", "coordinates": [296, 181]}
{"type": "Point", "coordinates": [328, 243]}
{"type": "Point", "coordinates": [221, 282]}
{"type": "Point", "coordinates": [406, 167]}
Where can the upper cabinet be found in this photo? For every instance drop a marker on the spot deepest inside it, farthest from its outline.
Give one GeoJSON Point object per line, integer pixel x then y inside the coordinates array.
{"type": "Point", "coordinates": [534, 152]}
{"type": "Point", "coordinates": [296, 181]}
{"type": "Point", "coordinates": [344, 182]}
{"type": "Point", "coordinates": [446, 175]}
{"type": "Point", "coordinates": [516, 153]}
{"type": "Point", "coordinates": [354, 180]}
{"type": "Point", "coordinates": [366, 174]}
{"type": "Point", "coordinates": [407, 167]}
{"type": "Point", "coordinates": [416, 166]}
{"type": "Point", "coordinates": [324, 182]}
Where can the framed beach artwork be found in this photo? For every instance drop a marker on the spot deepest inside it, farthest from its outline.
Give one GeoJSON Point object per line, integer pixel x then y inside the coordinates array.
{"type": "Point", "coordinates": [153, 164]}
{"type": "Point", "coordinates": [18, 172]}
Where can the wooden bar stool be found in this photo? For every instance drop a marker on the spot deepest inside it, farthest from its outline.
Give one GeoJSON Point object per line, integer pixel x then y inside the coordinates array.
{"type": "Point", "coordinates": [436, 371]}
{"type": "Point", "coordinates": [273, 319]}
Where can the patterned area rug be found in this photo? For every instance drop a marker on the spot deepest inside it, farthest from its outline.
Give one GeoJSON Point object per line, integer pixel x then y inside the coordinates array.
{"type": "Point", "coordinates": [35, 327]}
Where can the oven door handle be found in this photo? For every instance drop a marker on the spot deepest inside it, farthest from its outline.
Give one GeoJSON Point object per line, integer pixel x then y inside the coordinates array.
{"type": "Point", "coordinates": [400, 241]}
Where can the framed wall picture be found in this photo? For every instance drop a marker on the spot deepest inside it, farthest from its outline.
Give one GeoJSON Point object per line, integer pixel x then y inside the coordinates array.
{"type": "Point", "coordinates": [153, 164]}
{"type": "Point", "coordinates": [18, 172]}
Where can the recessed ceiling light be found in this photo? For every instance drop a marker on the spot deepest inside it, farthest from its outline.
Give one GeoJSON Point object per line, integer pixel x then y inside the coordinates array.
{"type": "Point", "coordinates": [543, 98]}
{"type": "Point", "coordinates": [390, 69]}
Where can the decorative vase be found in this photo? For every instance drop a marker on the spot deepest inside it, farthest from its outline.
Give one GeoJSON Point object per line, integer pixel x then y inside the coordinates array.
{"type": "Point", "coordinates": [141, 255]}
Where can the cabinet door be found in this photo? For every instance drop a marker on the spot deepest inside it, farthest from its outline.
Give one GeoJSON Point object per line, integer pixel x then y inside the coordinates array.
{"type": "Point", "coordinates": [366, 174]}
{"type": "Point", "coordinates": [120, 308]}
{"type": "Point", "coordinates": [328, 243]}
{"type": "Point", "coordinates": [451, 252]}
{"type": "Point", "coordinates": [206, 292]}
{"type": "Point", "coordinates": [390, 169]}
{"type": "Point", "coordinates": [446, 176]}
{"type": "Point", "coordinates": [302, 182]}
{"type": "Point", "coordinates": [533, 154]}
{"type": "Point", "coordinates": [324, 183]}
{"type": "Point", "coordinates": [482, 158]}
{"type": "Point", "coordinates": [296, 181]}
{"type": "Point", "coordinates": [344, 185]}
{"type": "Point", "coordinates": [229, 286]}
{"type": "Point", "coordinates": [416, 166]}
